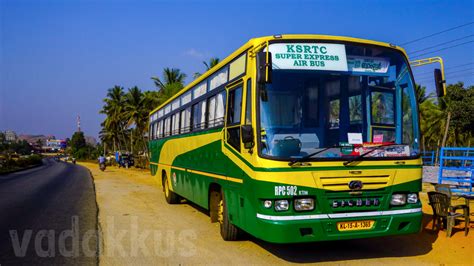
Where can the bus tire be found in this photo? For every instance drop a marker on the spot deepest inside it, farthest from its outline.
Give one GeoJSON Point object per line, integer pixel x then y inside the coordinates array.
{"type": "Point", "coordinates": [170, 196]}
{"type": "Point", "coordinates": [229, 232]}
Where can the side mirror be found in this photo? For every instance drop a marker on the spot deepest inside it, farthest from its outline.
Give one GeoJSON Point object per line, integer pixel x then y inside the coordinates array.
{"type": "Point", "coordinates": [264, 67]}
{"type": "Point", "coordinates": [439, 82]}
{"type": "Point", "coordinates": [247, 136]}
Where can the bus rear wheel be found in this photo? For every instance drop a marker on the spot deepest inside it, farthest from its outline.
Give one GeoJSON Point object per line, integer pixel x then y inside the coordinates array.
{"type": "Point", "coordinates": [229, 232]}
{"type": "Point", "coordinates": [170, 196]}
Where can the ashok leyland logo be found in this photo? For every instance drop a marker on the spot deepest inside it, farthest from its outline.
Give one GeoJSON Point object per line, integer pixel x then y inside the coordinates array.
{"type": "Point", "coordinates": [355, 185]}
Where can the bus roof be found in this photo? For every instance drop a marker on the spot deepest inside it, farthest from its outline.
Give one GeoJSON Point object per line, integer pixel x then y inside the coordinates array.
{"type": "Point", "coordinates": [257, 42]}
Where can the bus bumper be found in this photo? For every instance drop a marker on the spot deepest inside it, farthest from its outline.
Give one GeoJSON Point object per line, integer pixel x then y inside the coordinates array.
{"type": "Point", "coordinates": [311, 230]}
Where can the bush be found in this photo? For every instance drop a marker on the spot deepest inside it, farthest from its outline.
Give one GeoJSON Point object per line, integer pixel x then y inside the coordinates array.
{"type": "Point", "coordinates": [19, 163]}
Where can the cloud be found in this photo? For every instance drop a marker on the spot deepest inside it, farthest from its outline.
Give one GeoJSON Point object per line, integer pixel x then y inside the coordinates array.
{"type": "Point", "coordinates": [194, 53]}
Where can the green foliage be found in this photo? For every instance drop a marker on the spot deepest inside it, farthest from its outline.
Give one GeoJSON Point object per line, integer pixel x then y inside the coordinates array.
{"type": "Point", "coordinates": [77, 142]}
{"type": "Point", "coordinates": [19, 163]}
{"type": "Point", "coordinates": [459, 102]}
{"type": "Point", "coordinates": [21, 147]}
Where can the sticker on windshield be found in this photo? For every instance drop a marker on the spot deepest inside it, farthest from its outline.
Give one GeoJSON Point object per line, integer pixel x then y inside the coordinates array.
{"type": "Point", "coordinates": [364, 64]}
{"type": "Point", "coordinates": [309, 56]}
{"type": "Point", "coordinates": [354, 138]}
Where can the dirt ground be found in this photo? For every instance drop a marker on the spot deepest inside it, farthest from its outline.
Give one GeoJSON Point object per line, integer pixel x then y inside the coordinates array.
{"type": "Point", "coordinates": [139, 227]}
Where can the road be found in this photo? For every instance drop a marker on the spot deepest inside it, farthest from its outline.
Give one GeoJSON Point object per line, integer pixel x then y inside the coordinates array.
{"type": "Point", "coordinates": [140, 228]}
{"type": "Point", "coordinates": [48, 215]}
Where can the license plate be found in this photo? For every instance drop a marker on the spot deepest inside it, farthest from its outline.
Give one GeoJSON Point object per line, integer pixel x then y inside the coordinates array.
{"type": "Point", "coordinates": [356, 225]}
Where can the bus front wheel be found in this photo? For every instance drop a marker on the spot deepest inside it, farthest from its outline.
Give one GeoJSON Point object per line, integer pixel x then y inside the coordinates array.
{"type": "Point", "coordinates": [170, 196]}
{"type": "Point", "coordinates": [229, 232]}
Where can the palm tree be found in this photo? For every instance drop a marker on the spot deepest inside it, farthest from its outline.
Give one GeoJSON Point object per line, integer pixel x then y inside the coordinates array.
{"type": "Point", "coordinates": [114, 124]}
{"type": "Point", "coordinates": [170, 76]}
{"type": "Point", "coordinates": [172, 82]}
{"type": "Point", "coordinates": [420, 93]}
{"type": "Point", "coordinates": [212, 63]}
{"type": "Point", "coordinates": [136, 114]}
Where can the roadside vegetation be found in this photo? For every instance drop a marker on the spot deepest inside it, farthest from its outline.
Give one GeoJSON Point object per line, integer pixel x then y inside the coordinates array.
{"type": "Point", "coordinates": [447, 121]}
{"type": "Point", "coordinates": [78, 148]}
{"type": "Point", "coordinates": [16, 155]}
{"type": "Point", "coordinates": [125, 127]}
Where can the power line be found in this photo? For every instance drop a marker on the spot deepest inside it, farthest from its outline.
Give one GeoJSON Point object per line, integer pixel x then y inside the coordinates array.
{"type": "Point", "coordinates": [442, 49]}
{"type": "Point", "coordinates": [462, 75]}
{"type": "Point", "coordinates": [460, 65]}
{"type": "Point", "coordinates": [447, 72]}
{"type": "Point", "coordinates": [440, 44]}
{"type": "Point", "coordinates": [451, 67]}
{"type": "Point", "coordinates": [437, 33]}
{"type": "Point", "coordinates": [448, 77]}
{"type": "Point", "coordinates": [457, 71]}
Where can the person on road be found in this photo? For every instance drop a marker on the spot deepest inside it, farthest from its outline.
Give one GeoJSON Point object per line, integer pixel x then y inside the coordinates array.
{"type": "Point", "coordinates": [102, 162]}
{"type": "Point", "coordinates": [101, 159]}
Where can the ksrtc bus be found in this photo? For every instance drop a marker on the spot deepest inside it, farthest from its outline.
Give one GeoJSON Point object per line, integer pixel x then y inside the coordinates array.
{"type": "Point", "coordinates": [297, 138]}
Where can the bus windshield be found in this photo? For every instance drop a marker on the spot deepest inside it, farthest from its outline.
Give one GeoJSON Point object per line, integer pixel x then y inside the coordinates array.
{"type": "Point", "coordinates": [343, 108]}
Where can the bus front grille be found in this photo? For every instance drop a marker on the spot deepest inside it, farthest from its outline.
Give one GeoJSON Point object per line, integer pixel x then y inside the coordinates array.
{"type": "Point", "coordinates": [340, 182]}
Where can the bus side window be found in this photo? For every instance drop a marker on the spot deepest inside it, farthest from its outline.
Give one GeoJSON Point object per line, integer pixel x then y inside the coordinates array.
{"type": "Point", "coordinates": [167, 126]}
{"type": "Point", "coordinates": [199, 115]}
{"type": "Point", "coordinates": [175, 126]}
{"type": "Point", "coordinates": [186, 120]}
{"type": "Point", "coordinates": [216, 105]}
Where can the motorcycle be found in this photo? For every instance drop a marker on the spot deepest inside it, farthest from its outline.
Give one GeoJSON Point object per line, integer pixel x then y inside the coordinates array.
{"type": "Point", "coordinates": [102, 166]}
{"type": "Point", "coordinates": [74, 160]}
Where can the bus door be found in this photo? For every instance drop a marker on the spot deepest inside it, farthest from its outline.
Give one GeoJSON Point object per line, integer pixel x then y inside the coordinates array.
{"type": "Point", "coordinates": [233, 117]}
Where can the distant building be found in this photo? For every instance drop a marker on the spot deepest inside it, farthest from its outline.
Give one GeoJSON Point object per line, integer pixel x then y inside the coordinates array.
{"type": "Point", "coordinates": [55, 144]}
{"type": "Point", "coordinates": [10, 136]}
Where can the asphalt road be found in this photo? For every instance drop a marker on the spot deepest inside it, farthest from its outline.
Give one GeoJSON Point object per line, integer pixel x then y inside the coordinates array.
{"type": "Point", "coordinates": [48, 215]}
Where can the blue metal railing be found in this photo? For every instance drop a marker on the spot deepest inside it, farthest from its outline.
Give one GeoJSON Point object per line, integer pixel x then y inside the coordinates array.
{"type": "Point", "coordinates": [456, 167]}
{"type": "Point", "coordinates": [428, 157]}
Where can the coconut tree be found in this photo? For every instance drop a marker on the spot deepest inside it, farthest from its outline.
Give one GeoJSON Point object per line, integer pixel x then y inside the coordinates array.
{"type": "Point", "coordinates": [136, 114]}
{"type": "Point", "coordinates": [170, 84]}
{"type": "Point", "coordinates": [114, 123]}
{"type": "Point", "coordinates": [170, 76]}
{"type": "Point", "coordinates": [212, 63]}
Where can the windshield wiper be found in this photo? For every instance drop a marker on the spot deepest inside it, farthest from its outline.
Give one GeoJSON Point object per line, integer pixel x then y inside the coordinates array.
{"type": "Point", "coordinates": [304, 158]}
{"type": "Point", "coordinates": [358, 158]}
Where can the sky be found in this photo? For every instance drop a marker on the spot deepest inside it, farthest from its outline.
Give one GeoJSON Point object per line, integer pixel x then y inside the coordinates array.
{"type": "Point", "coordinates": [58, 58]}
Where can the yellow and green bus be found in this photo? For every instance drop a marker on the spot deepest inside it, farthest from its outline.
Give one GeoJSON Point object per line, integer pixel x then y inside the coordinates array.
{"type": "Point", "coordinates": [296, 138]}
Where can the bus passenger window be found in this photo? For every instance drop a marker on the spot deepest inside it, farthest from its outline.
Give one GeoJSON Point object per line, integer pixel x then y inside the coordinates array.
{"type": "Point", "coordinates": [175, 128]}
{"type": "Point", "coordinates": [167, 126]}
{"type": "Point", "coordinates": [216, 110]}
{"type": "Point", "coordinates": [186, 120]}
{"type": "Point", "coordinates": [199, 115]}
{"type": "Point", "coordinates": [220, 109]}
{"type": "Point", "coordinates": [212, 111]}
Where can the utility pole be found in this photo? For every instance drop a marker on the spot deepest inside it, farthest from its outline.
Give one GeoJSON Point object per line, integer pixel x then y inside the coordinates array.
{"type": "Point", "coordinates": [78, 123]}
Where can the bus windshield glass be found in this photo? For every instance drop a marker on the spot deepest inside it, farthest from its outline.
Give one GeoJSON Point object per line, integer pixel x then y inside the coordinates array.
{"type": "Point", "coordinates": [338, 98]}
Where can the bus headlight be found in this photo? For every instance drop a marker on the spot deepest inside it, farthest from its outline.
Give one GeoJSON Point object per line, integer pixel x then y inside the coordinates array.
{"type": "Point", "coordinates": [412, 198]}
{"type": "Point", "coordinates": [267, 204]}
{"type": "Point", "coordinates": [304, 204]}
{"type": "Point", "coordinates": [398, 199]}
{"type": "Point", "coordinates": [281, 205]}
